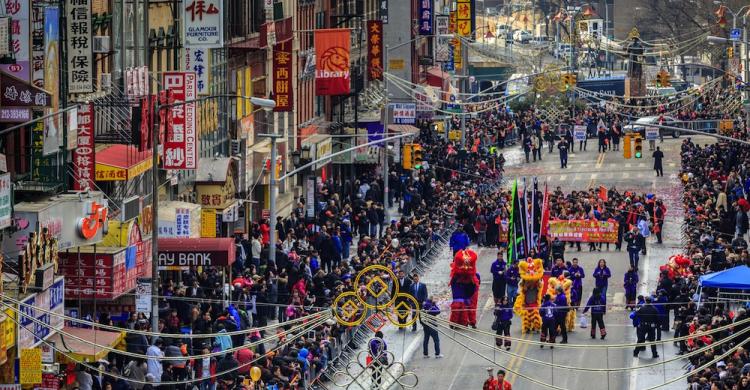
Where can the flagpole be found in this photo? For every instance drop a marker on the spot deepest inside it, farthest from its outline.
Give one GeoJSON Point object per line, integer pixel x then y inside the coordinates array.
{"type": "Point", "coordinates": [532, 244]}
{"type": "Point", "coordinates": [512, 250]}
{"type": "Point", "coordinates": [525, 210]}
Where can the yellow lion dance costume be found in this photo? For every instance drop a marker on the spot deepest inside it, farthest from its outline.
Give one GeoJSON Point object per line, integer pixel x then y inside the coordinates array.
{"type": "Point", "coordinates": [530, 295]}
{"type": "Point", "coordinates": [567, 285]}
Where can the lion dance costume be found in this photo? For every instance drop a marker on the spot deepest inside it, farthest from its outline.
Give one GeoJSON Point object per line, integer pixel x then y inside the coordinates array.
{"type": "Point", "coordinates": [464, 284]}
{"type": "Point", "coordinates": [567, 285]}
{"type": "Point", "coordinates": [530, 295]}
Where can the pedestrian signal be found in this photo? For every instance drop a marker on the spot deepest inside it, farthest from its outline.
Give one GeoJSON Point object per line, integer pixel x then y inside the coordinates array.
{"type": "Point", "coordinates": [416, 156]}
{"type": "Point", "coordinates": [638, 147]}
{"type": "Point", "coordinates": [626, 152]}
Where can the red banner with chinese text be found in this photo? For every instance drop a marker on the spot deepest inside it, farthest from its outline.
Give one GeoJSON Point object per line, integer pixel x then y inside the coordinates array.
{"type": "Point", "coordinates": [375, 49]}
{"type": "Point", "coordinates": [84, 154]}
{"type": "Point", "coordinates": [579, 230]}
{"type": "Point", "coordinates": [282, 76]}
{"type": "Point", "coordinates": [332, 66]}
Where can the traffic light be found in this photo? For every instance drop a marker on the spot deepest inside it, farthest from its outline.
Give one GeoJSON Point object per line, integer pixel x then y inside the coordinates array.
{"type": "Point", "coordinates": [662, 79]}
{"type": "Point", "coordinates": [626, 147]}
{"type": "Point", "coordinates": [730, 52]}
{"type": "Point", "coordinates": [569, 80]}
{"type": "Point", "coordinates": [416, 156]}
{"type": "Point", "coordinates": [638, 147]}
{"type": "Point", "coordinates": [406, 156]}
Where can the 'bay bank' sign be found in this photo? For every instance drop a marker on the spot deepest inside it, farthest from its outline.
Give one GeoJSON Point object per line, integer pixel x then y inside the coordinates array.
{"type": "Point", "coordinates": [187, 259]}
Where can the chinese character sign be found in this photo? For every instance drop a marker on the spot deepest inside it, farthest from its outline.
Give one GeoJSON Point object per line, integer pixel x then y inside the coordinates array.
{"type": "Point", "coordinates": [203, 24]}
{"type": "Point", "coordinates": [6, 206]}
{"type": "Point", "coordinates": [197, 60]}
{"type": "Point", "coordinates": [332, 68]}
{"type": "Point", "coordinates": [404, 113]}
{"type": "Point", "coordinates": [375, 49]}
{"type": "Point", "coordinates": [282, 76]}
{"type": "Point", "coordinates": [37, 45]}
{"type": "Point", "coordinates": [182, 222]}
{"type": "Point", "coordinates": [20, 28]}
{"type": "Point", "coordinates": [425, 17]}
{"type": "Point", "coordinates": [464, 17]}
{"type": "Point", "coordinates": [83, 154]}
{"type": "Point", "coordinates": [180, 140]}
{"type": "Point", "coordinates": [441, 43]}
{"type": "Point", "coordinates": [80, 55]}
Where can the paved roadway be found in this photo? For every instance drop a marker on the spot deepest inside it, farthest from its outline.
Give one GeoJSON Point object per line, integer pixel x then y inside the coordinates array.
{"type": "Point", "coordinates": [465, 368]}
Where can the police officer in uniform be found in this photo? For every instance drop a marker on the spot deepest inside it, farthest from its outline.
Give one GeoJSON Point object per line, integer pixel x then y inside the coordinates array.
{"type": "Point", "coordinates": [648, 321]}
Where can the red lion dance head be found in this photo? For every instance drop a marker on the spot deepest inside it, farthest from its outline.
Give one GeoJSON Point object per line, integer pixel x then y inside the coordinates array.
{"type": "Point", "coordinates": [464, 266]}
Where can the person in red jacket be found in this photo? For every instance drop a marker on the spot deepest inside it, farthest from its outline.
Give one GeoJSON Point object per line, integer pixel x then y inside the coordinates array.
{"type": "Point", "coordinates": [496, 383]}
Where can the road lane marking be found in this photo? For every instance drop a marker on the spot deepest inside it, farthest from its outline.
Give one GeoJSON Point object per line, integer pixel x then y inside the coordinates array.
{"type": "Point", "coordinates": [625, 175]}
{"type": "Point", "coordinates": [628, 165]}
{"type": "Point", "coordinates": [563, 177]}
{"type": "Point", "coordinates": [521, 354]}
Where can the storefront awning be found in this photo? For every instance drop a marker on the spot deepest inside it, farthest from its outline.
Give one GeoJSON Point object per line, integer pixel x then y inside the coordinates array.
{"type": "Point", "coordinates": [403, 129]}
{"type": "Point", "coordinates": [184, 253]}
{"type": "Point", "coordinates": [212, 170]}
{"type": "Point", "coordinates": [436, 77]}
{"type": "Point", "coordinates": [121, 162]}
{"type": "Point", "coordinates": [87, 350]}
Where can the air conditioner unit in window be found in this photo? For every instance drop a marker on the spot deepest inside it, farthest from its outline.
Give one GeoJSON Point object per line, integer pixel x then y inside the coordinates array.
{"type": "Point", "coordinates": [105, 81]}
{"type": "Point", "coordinates": [101, 44]}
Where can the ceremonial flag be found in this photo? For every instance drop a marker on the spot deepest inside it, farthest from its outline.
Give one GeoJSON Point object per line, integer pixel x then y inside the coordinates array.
{"type": "Point", "coordinates": [544, 225]}
{"type": "Point", "coordinates": [603, 193]}
{"type": "Point", "coordinates": [515, 225]}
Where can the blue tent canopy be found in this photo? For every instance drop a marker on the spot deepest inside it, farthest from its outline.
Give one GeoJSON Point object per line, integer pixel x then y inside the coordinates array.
{"type": "Point", "coordinates": [737, 278]}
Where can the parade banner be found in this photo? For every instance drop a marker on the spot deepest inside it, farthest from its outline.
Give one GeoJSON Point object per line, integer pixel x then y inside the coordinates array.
{"type": "Point", "coordinates": [579, 132]}
{"type": "Point", "coordinates": [332, 68]}
{"type": "Point", "coordinates": [578, 230]}
{"type": "Point", "coordinates": [375, 49]}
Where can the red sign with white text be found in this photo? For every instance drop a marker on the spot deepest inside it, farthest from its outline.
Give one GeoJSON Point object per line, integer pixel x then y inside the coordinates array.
{"type": "Point", "coordinates": [84, 154]}
{"type": "Point", "coordinates": [180, 149]}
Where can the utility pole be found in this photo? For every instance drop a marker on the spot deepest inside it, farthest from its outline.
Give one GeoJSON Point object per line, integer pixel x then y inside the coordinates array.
{"type": "Point", "coordinates": [746, 71]}
{"type": "Point", "coordinates": [386, 121]}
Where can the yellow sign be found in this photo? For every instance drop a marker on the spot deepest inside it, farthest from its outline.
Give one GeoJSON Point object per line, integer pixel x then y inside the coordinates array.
{"type": "Point", "coordinates": [439, 126]}
{"type": "Point", "coordinates": [463, 18]}
{"type": "Point", "coordinates": [208, 223]}
{"type": "Point", "coordinates": [396, 64]}
{"type": "Point", "coordinates": [106, 172]}
{"type": "Point", "coordinates": [454, 135]}
{"type": "Point", "coordinates": [218, 195]}
{"type": "Point", "coordinates": [248, 90]}
{"type": "Point", "coordinates": [323, 149]}
{"type": "Point", "coordinates": [30, 370]}
{"type": "Point", "coordinates": [457, 55]}
{"type": "Point", "coordinates": [240, 93]}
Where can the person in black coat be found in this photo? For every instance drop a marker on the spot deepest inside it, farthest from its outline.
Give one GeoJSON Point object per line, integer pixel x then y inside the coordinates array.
{"type": "Point", "coordinates": [648, 321]}
{"type": "Point", "coordinates": [658, 156]}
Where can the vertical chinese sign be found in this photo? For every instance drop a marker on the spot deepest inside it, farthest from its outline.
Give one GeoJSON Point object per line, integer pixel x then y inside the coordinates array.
{"type": "Point", "coordinates": [6, 204]}
{"type": "Point", "coordinates": [464, 14]}
{"type": "Point", "coordinates": [458, 59]}
{"type": "Point", "coordinates": [282, 76]}
{"type": "Point", "coordinates": [197, 60]}
{"type": "Point", "coordinates": [442, 42]}
{"type": "Point", "coordinates": [425, 17]}
{"type": "Point", "coordinates": [19, 12]}
{"type": "Point", "coordinates": [37, 45]}
{"type": "Point", "coordinates": [375, 49]}
{"type": "Point", "coordinates": [83, 154]}
{"type": "Point", "coordinates": [332, 68]}
{"type": "Point", "coordinates": [80, 54]}
{"type": "Point", "coordinates": [53, 126]}
{"type": "Point", "coordinates": [203, 24]}
{"type": "Point", "coordinates": [180, 140]}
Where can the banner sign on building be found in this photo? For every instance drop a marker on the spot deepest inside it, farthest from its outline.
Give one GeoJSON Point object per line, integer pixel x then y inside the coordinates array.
{"type": "Point", "coordinates": [30, 366]}
{"type": "Point", "coordinates": [404, 113]}
{"type": "Point", "coordinates": [30, 332]}
{"type": "Point", "coordinates": [442, 50]}
{"type": "Point", "coordinates": [83, 155]}
{"type": "Point", "coordinates": [464, 13]}
{"type": "Point", "coordinates": [578, 230]}
{"type": "Point", "coordinates": [375, 49]}
{"type": "Point", "coordinates": [180, 149]}
{"type": "Point", "coordinates": [80, 53]}
{"type": "Point", "coordinates": [203, 24]}
{"type": "Point", "coordinates": [332, 68]}
{"type": "Point", "coordinates": [197, 60]}
{"type": "Point", "coordinates": [6, 204]}
{"type": "Point", "coordinates": [282, 76]}
{"type": "Point", "coordinates": [425, 17]}
{"type": "Point", "coordinates": [182, 222]}
{"type": "Point", "coordinates": [384, 11]}
{"type": "Point", "coordinates": [19, 12]}
{"type": "Point", "coordinates": [458, 59]}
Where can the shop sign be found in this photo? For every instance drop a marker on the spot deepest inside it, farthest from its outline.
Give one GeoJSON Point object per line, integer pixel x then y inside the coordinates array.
{"type": "Point", "coordinates": [49, 380]}
{"type": "Point", "coordinates": [19, 12]}
{"type": "Point", "coordinates": [143, 302]}
{"type": "Point", "coordinates": [31, 333]}
{"type": "Point", "coordinates": [180, 149]}
{"type": "Point", "coordinates": [170, 260]}
{"type": "Point", "coordinates": [146, 220]}
{"type": "Point", "coordinates": [197, 60]}
{"type": "Point", "coordinates": [83, 155]}
{"type": "Point", "coordinates": [216, 195]}
{"type": "Point", "coordinates": [94, 222]}
{"type": "Point", "coordinates": [404, 113]}
{"type": "Point", "coordinates": [442, 43]}
{"type": "Point", "coordinates": [282, 76]}
{"type": "Point", "coordinates": [9, 328]}
{"type": "Point", "coordinates": [203, 24]}
{"type": "Point", "coordinates": [40, 252]}
{"type": "Point", "coordinates": [208, 224]}
{"type": "Point", "coordinates": [182, 222]}
{"type": "Point", "coordinates": [48, 353]}
{"type": "Point", "coordinates": [464, 13]}
{"type": "Point", "coordinates": [80, 53]}
{"type": "Point", "coordinates": [375, 49]}
{"type": "Point", "coordinates": [19, 93]}
{"type": "Point", "coordinates": [323, 149]}
{"type": "Point", "coordinates": [106, 172]}
{"type": "Point", "coordinates": [30, 366]}
{"type": "Point", "coordinates": [425, 17]}
{"type": "Point", "coordinates": [6, 207]}
{"type": "Point", "coordinates": [14, 114]}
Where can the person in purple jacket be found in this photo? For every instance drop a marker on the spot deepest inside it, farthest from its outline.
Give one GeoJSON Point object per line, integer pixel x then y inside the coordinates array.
{"type": "Point", "coordinates": [558, 268]}
{"type": "Point", "coordinates": [576, 275]}
{"type": "Point", "coordinates": [503, 316]}
{"type": "Point", "coordinates": [511, 281]}
{"type": "Point", "coordinates": [561, 313]}
{"type": "Point", "coordinates": [630, 282]}
{"type": "Point", "coordinates": [598, 304]}
{"type": "Point", "coordinates": [601, 275]}
{"type": "Point", "coordinates": [498, 277]}
{"type": "Point", "coordinates": [547, 311]}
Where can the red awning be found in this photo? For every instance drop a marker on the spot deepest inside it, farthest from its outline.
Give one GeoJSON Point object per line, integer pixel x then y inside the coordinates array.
{"type": "Point", "coordinates": [122, 156]}
{"type": "Point", "coordinates": [436, 77]}
{"type": "Point", "coordinates": [181, 253]}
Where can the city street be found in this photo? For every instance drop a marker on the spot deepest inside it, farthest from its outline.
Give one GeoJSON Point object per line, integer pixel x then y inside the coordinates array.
{"type": "Point", "coordinates": [467, 367]}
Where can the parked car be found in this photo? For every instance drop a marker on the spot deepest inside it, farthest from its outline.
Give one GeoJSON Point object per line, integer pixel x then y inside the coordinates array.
{"type": "Point", "coordinates": [522, 36]}
{"type": "Point", "coordinates": [639, 126]}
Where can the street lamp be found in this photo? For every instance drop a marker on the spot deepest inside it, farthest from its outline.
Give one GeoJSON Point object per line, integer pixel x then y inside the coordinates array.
{"type": "Point", "coordinates": [269, 105]}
